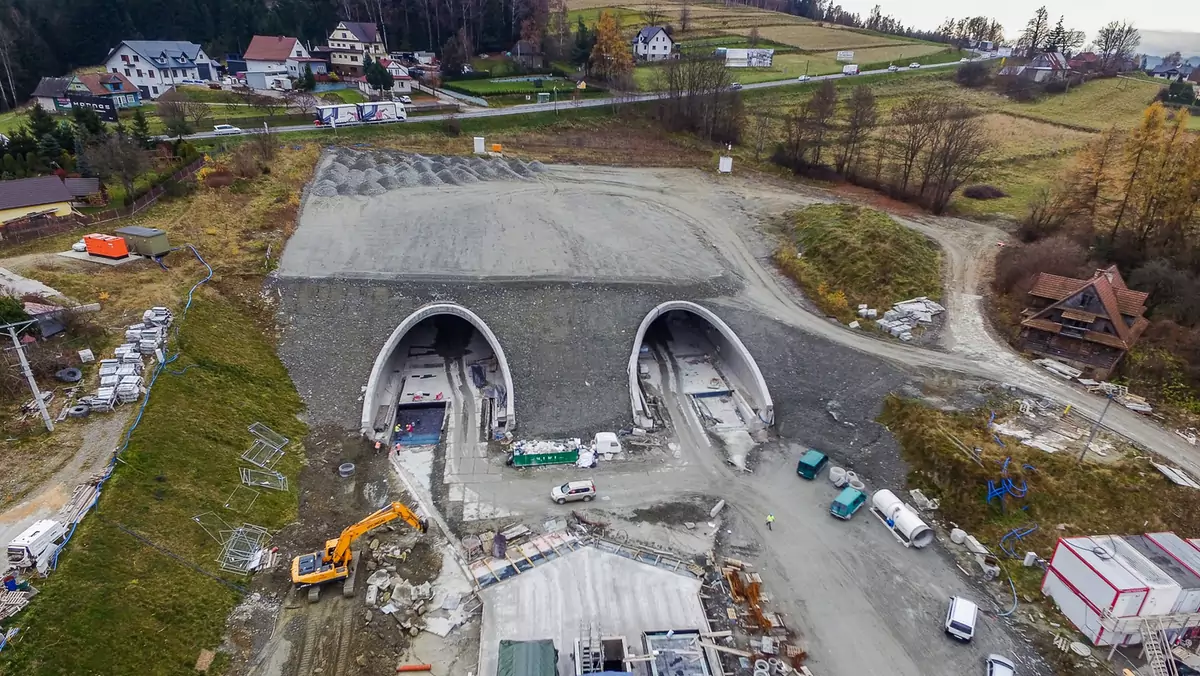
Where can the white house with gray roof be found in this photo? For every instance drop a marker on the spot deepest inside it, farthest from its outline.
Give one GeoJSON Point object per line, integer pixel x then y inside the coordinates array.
{"type": "Point", "coordinates": [652, 44]}
{"type": "Point", "coordinates": [155, 66]}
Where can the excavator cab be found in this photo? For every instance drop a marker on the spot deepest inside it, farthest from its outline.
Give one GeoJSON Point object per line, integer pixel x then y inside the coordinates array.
{"type": "Point", "coordinates": [336, 560]}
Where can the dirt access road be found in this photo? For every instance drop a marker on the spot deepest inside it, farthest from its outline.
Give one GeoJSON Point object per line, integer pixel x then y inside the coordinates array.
{"type": "Point", "coordinates": [968, 346]}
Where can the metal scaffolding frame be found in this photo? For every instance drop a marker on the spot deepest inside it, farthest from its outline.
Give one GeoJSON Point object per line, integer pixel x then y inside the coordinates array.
{"type": "Point", "coordinates": [241, 547]}
{"type": "Point", "coordinates": [262, 454]}
{"type": "Point", "coordinates": [257, 478]}
{"type": "Point", "coordinates": [241, 499]}
{"type": "Point", "coordinates": [268, 435]}
{"type": "Point", "coordinates": [212, 524]}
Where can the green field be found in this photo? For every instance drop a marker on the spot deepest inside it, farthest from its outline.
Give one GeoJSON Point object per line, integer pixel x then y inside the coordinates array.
{"type": "Point", "coordinates": [491, 88]}
{"type": "Point", "coordinates": [346, 95]}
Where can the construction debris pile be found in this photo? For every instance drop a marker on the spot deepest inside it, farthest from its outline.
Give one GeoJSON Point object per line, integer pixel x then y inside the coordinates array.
{"type": "Point", "coordinates": [122, 378]}
{"type": "Point", "coordinates": [1118, 393]}
{"type": "Point", "coordinates": [904, 316]}
{"type": "Point", "coordinates": [772, 644]}
{"type": "Point", "coordinates": [431, 606]}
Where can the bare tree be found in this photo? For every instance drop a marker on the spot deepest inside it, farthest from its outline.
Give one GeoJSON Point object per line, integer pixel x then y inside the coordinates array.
{"type": "Point", "coordinates": [1115, 43]}
{"type": "Point", "coordinates": [172, 109]}
{"type": "Point", "coordinates": [302, 102]}
{"type": "Point", "coordinates": [762, 116]}
{"type": "Point", "coordinates": [268, 105]}
{"type": "Point", "coordinates": [654, 13]}
{"type": "Point", "coordinates": [117, 157]}
{"type": "Point", "coordinates": [958, 149]}
{"type": "Point", "coordinates": [861, 117]}
{"type": "Point", "coordinates": [198, 113]}
{"type": "Point", "coordinates": [752, 37]}
{"type": "Point", "coordinates": [699, 98]}
{"type": "Point", "coordinates": [911, 121]}
{"type": "Point", "coordinates": [685, 18]}
{"type": "Point", "coordinates": [822, 107]}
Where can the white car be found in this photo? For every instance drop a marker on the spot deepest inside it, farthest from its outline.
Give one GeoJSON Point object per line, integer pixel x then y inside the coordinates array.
{"type": "Point", "coordinates": [803, 78]}
{"type": "Point", "coordinates": [405, 99]}
{"type": "Point", "coordinates": [893, 68]}
{"type": "Point", "coordinates": [735, 86]}
{"type": "Point", "coordinates": [960, 619]}
{"type": "Point", "coordinates": [998, 665]}
{"type": "Point", "coordinates": [225, 129]}
{"type": "Point", "coordinates": [914, 64]}
{"type": "Point", "coordinates": [572, 491]}
{"type": "Point", "coordinates": [963, 60]}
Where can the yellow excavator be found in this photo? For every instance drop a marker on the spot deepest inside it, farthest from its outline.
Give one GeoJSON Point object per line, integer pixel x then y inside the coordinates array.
{"type": "Point", "coordinates": [337, 560]}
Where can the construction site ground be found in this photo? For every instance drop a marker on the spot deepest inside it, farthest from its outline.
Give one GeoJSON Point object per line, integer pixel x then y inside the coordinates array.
{"type": "Point", "coordinates": [858, 601]}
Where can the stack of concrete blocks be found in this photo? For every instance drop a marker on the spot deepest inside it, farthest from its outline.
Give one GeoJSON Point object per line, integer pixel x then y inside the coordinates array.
{"type": "Point", "coordinates": [906, 315]}
{"type": "Point", "coordinates": [867, 312]}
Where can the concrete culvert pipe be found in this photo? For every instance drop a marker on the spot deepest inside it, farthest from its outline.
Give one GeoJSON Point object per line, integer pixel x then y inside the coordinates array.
{"type": "Point", "coordinates": [838, 476]}
{"type": "Point", "coordinates": [902, 518]}
{"type": "Point", "coordinates": [762, 665]}
{"type": "Point", "coordinates": [346, 469]}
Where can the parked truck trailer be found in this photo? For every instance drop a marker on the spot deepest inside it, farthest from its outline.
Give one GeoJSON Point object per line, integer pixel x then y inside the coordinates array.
{"type": "Point", "coordinates": [337, 115]}
{"type": "Point", "coordinates": [381, 111]}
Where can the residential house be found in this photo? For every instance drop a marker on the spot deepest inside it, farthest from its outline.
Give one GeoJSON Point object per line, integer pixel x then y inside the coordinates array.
{"type": "Point", "coordinates": [652, 44]}
{"type": "Point", "coordinates": [43, 195]}
{"type": "Point", "coordinates": [51, 94]}
{"type": "Point", "coordinates": [113, 86]}
{"type": "Point", "coordinates": [156, 66]}
{"type": "Point", "coordinates": [527, 54]}
{"type": "Point", "coordinates": [85, 191]}
{"type": "Point", "coordinates": [270, 54]}
{"type": "Point", "coordinates": [349, 42]}
{"type": "Point", "coordinates": [1085, 62]}
{"type": "Point", "coordinates": [401, 80]}
{"type": "Point", "coordinates": [297, 65]}
{"type": "Point", "coordinates": [1173, 71]}
{"type": "Point", "coordinates": [1047, 67]}
{"type": "Point", "coordinates": [1087, 323]}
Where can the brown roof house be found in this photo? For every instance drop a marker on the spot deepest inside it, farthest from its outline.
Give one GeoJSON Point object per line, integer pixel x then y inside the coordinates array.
{"type": "Point", "coordinates": [1087, 323]}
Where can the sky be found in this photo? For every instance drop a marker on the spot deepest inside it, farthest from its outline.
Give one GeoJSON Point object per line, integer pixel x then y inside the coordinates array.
{"type": "Point", "coordinates": [1084, 15]}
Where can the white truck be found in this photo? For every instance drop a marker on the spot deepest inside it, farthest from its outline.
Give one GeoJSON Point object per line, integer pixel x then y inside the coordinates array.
{"type": "Point", "coordinates": [381, 111]}
{"type": "Point", "coordinates": [36, 544]}
{"type": "Point", "coordinates": [850, 69]}
{"type": "Point", "coordinates": [337, 115]}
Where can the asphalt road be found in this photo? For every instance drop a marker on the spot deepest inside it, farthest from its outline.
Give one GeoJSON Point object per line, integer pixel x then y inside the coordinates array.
{"type": "Point", "coordinates": [528, 108]}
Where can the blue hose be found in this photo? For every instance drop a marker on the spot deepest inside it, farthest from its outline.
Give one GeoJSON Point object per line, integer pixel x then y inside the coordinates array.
{"type": "Point", "coordinates": [141, 409]}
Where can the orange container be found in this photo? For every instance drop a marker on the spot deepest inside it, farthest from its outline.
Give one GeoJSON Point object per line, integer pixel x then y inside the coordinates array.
{"type": "Point", "coordinates": [106, 245]}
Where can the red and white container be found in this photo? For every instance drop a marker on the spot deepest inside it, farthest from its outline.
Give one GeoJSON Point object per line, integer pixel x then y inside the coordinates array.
{"type": "Point", "coordinates": [1090, 577]}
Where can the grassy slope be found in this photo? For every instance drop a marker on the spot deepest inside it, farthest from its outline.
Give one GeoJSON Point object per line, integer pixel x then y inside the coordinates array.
{"type": "Point", "coordinates": [862, 253]}
{"type": "Point", "coordinates": [1124, 495]}
{"type": "Point", "coordinates": [117, 606]}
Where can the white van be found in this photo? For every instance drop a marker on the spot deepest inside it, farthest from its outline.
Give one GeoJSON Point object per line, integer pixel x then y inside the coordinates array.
{"type": "Point", "coordinates": [960, 618]}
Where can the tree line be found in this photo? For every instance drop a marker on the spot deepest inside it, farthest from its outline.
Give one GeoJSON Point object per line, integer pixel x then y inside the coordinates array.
{"type": "Point", "coordinates": [922, 151]}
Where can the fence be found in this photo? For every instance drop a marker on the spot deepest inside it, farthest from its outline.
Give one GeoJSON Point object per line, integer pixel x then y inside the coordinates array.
{"type": "Point", "coordinates": [37, 227]}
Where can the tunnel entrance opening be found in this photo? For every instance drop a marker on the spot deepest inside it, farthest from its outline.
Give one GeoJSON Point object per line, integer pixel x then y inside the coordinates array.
{"type": "Point", "coordinates": [442, 358]}
{"type": "Point", "coordinates": [690, 372]}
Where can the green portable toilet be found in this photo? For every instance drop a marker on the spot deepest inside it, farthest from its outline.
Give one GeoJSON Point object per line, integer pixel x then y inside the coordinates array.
{"type": "Point", "coordinates": [811, 464]}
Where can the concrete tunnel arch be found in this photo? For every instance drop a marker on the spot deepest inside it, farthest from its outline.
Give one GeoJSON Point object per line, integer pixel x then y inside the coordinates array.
{"type": "Point", "coordinates": [371, 396]}
{"type": "Point", "coordinates": [760, 396]}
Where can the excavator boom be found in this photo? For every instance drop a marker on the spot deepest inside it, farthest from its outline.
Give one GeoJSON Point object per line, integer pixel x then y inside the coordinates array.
{"type": "Point", "coordinates": [333, 562]}
{"type": "Point", "coordinates": [353, 532]}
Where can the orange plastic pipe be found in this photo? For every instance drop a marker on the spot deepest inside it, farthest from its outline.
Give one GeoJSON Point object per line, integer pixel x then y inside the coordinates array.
{"type": "Point", "coordinates": [414, 667]}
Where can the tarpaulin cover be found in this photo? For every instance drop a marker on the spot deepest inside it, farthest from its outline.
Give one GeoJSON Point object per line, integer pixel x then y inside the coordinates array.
{"type": "Point", "coordinates": [527, 658]}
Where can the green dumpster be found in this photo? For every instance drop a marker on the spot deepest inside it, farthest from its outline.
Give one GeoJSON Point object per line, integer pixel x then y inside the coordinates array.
{"type": "Point", "coordinates": [535, 459]}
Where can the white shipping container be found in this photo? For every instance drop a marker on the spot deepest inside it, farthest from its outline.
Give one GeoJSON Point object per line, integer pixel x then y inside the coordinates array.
{"type": "Point", "coordinates": [1164, 591]}
{"type": "Point", "coordinates": [1188, 600]}
{"type": "Point", "coordinates": [1086, 565]}
{"type": "Point", "coordinates": [1179, 549]}
{"type": "Point", "coordinates": [1086, 619]}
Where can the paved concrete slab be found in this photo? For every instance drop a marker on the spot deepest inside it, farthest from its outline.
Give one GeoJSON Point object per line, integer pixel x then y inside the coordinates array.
{"type": "Point", "coordinates": [618, 596]}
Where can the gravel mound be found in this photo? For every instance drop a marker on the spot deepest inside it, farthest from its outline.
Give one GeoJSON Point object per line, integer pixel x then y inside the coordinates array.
{"type": "Point", "coordinates": [353, 171]}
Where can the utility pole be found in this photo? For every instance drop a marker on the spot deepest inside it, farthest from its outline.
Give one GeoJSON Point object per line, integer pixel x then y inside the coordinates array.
{"type": "Point", "coordinates": [37, 394]}
{"type": "Point", "coordinates": [1095, 429]}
